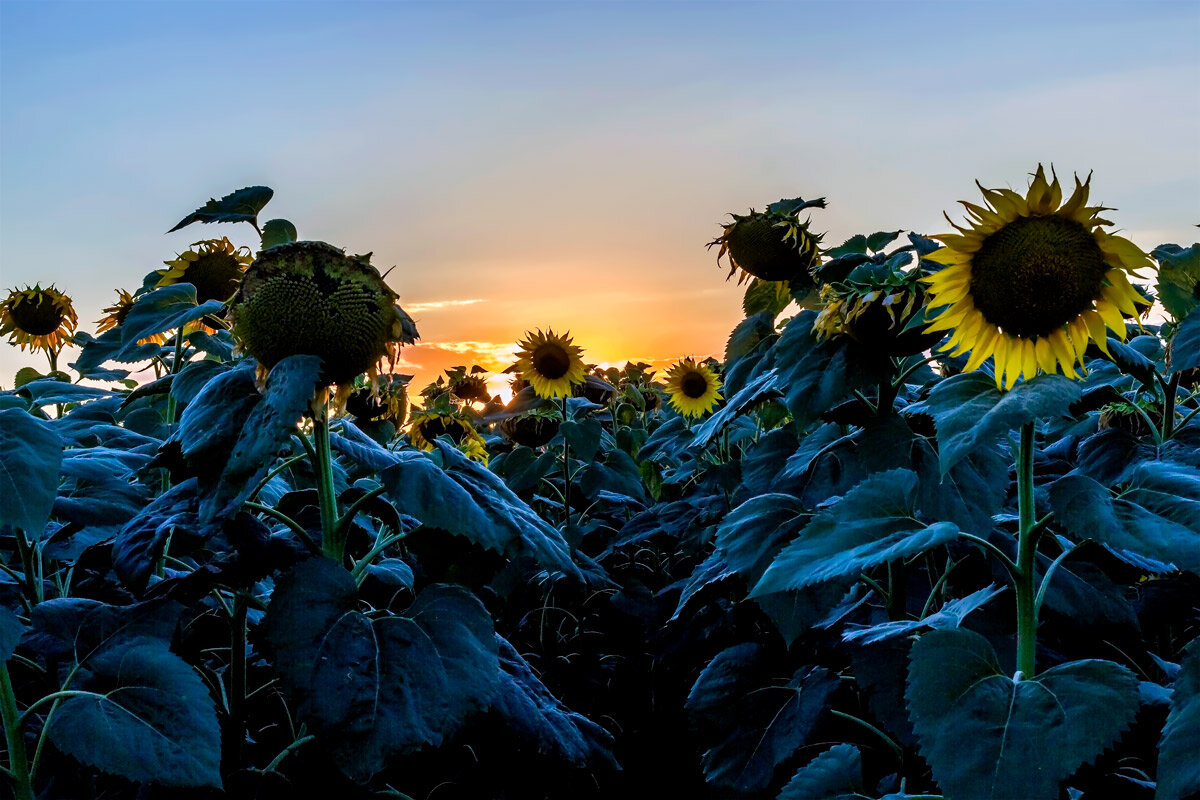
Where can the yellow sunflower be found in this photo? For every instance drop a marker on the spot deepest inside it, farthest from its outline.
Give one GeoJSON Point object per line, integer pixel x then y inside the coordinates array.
{"type": "Point", "coordinates": [694, 389]}
{"type": "Point", "coordinates": [37, 318]}
{"type": "Point", "coordinates": [213, 266]}
{"type": "Point", "coordinates": [426, 426]}
{"type": "Point", "coordinates": [115, 314]}
{"type": "Point", "coordinates": [550, 363]}
{"type": "Point", "coordinates": [1032, 280]}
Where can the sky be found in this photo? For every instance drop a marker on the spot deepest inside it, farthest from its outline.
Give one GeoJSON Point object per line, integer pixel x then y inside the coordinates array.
{"type": "Point", "coordinates": [536, 164]}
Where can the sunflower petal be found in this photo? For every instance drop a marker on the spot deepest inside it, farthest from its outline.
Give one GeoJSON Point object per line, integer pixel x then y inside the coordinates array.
{"type": "Point", "coordinates": [1063, 351]}
{"type": "Point", "coordinates": [1045, 355]}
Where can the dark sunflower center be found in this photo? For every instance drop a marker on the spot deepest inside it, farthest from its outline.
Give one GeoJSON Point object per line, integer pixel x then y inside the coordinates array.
{"type": "Point", "coordinates": [215, 276]}
{"type": "Point", "coordinates": [694, 385]}
{"type": "Point", "coordinates": [1036, 274]}
{"type": "Point", "coordinates": [433, 428]}
{"type": "Point", "coordinates": [551, 361]}
{"type": "Point", "coordinates": [37, 317]}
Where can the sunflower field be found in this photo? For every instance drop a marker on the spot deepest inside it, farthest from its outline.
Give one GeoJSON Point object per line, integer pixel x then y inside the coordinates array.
{"type": "Point", "coordinates": [928, 528]}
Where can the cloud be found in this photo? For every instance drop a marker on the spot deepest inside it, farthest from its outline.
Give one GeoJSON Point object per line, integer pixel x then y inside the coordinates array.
{"type": "Point", "coordinates": [438, 305]}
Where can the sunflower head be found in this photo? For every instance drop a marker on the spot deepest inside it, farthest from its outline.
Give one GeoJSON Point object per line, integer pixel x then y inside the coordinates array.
{"type": "Point", "coordinates": [533, 429]}
{"type": "Point", "coordinates": [37, 318]}
{"type": "Point", "coordinates": [873, 305]}
{"type": "Point", "coordinates": [694, 388]}
{"type": "Point", "coordinates": [385, 398]}
{"type": "Point", "coordinates": [115, 314]}
{"type": "Point", "coordinates": [1032, 279]}
{"type": "Point", "coordinates": [311, 298]}
{"type": "Point", "coordinates": [468, 386]}
{"type": "Point", "coordinates": [427, 426]}
{"type": "Point", "coordinates": [550, 363]}
{"type": "Point", "coordinates": [213, 266]}
{"type": "Point", "coordinates": [773, 245]}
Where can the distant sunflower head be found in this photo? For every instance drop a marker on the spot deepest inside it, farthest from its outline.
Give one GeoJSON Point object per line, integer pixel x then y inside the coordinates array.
{"type": "Point", "coordinates": [773, 245]}
{"type": "Point", "coordinates": [694, 388]}
{"type": "Point", "coordinates": [115, 314]}
{"type": "Point", "coordinates": [37, 318]}
{"type": "Point", "coordinates": [385, 398]}
{"type": "Point", "coordinates": [312, 298]}
{"type": "Point", "coordinates": [550, 363]}
{"type": "Point", "coordinates": [1032, 280]}
{"type": "Point", "coordinates": [213, 266]}
{"type": "Point", "coordinates": [471, 387]}
{"type": "Point", "coordinates": [427, 426]}
{"type": "Point", "coordinates": [533, 429]}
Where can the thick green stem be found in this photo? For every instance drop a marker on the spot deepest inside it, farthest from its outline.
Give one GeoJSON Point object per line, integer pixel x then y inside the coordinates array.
{"type": "Point", "coordinates": [17, 758]}
{"type": "Point", "coordinates": [897, 598]}
{"type": "Point", "coordinates": [1168, 420]}
{"type": "Point", "coordinates": [1026, 557]}
{"type": "Point", "coordinates": [27, 550]}
{"type": "Point", "coordinates": [333, 541]}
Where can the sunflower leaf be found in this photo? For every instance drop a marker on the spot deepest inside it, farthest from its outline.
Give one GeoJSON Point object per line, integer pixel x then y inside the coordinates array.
{"type": "Point", "coordinates": [1185, 347]}
{"type": "Point", "coordinates": [143, 714]}
{"type": "Point", "coordinates": [747, 334]}
{"type": "Point", "coordinates": [1157, 515]}
{"type": "Point", "coordinates": [760, 389]}
{"type": "Point", "coordinates": [833, 775]}
{"type": "Point", "coordinates": [970, 412]}
{"type": "Point", "coordinates": [379, 686]}
{"type": "Point", "coordinates": [1178, 767]}
{"type": "Point", "coordinates": [164, 309]}
{"type": "Point", "coordinates": [989, 737]}
{"type": "Point", "coordinates": [754, 729]}
{"type": "Point", "coordinates": [874, 523]}
{"type": "Point", "coordinates": [1178, 278]}
{"type": "Point", "coordinates": [240, 206]}
{"type": "Point", "coordinates": [31, 455]}
{"type": "Point", "coordinates": [278, 231]}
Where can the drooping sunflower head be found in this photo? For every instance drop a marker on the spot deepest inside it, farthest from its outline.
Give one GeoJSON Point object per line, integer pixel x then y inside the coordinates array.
{"type": "Point", "coordinates": [312, 298]}
{"type": "Point", "coordinates": [385, 398]}
{"type": "Point", "coordinates": [533, 429]}
{"type": "Point", "coordinates": [550, 363]}
{"type": "Point", "coordinates": [873, 305]}
{"type": "Point", "coordinates": [213, 266]}
{"type": "Point", "coordinates": [469, 386]}
{"type": "Point", "coordinates": [37, 318]}
{"type": "Point", "coordinates": [426, 426]}
{"type": "Point", "coordinates": [1032, 280]}
{"type": "Point", "coordinates": [115, 314]}
{"type": "Point", "coordinates": [694, 388]}
{"type": "Point", "coordinates": [773, 245]}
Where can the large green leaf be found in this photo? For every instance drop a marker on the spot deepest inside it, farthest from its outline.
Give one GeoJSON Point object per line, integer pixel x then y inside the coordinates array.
{"type": "Point", "coordinates": [746, 335]}
{"type": "Point", "coordinates": [758, 390]}
{"type": "Point", "coordinates": [167, 308]}
{"type": "Point", "coordinates": [752, 535]}
{"type": "Point", "coordinates": [1185, 347]}
{"type": "Point", "coordinates": [31, 454]}
{"type": "Point", "coordinates": [1178, 278]}
{"type": "Point", "coordinates": [1178, 766]}
{"type": "Point", "coordinates": [757, 722]}
{"type": "Point", "coordinates": [240, 206]}
{"type": "Point", "coordinates": [466, 499]}
{"type": "Point", "coordinates": [379, 685]}
{"type": "Point", "coordinates": [11, 629]}
{"type": "Point", "coordinates": [988, 737]}
{"type": "Point", "coordinates": [531, 711]}
{"type": "Point", "coordinates": [836, 774]}
{"type": "Point", "coordinates": [1156, 515]}
{"type": "Point", "coordinates": [143, 714]}
{"type": "Point", "coordinates": [970, 412]}
{"type": "Point", "coordinates": [875, 522]}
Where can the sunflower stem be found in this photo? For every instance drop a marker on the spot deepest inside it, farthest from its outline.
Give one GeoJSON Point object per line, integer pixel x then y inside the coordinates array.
{"type": "Point", "coordinates": [333, 541]}
{"type": "Point", "coordinates": [1168, 421]}
{"type": "Point", "coordinates": [18, 763]}
{"type": "Point", "coordinates": [1026, 555]}
{"type": "Point", "coordinates": [237, 672]}
{"type": "Point", "coordinates": [566, 472]}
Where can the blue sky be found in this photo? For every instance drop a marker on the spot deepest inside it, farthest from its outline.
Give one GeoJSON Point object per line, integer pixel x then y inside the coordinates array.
{"type": "Point", "coordinates": [563, 164]}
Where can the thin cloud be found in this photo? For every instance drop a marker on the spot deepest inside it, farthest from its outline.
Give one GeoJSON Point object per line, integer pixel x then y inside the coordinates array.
{"type": "Point", "coordinates": [438, 305]}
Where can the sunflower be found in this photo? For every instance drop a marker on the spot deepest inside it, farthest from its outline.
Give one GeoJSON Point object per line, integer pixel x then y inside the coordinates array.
{"type": "Point", "coordinates": [116, 313]}
{"type": "Point", "coordinates": [42, 319]}
{"type": "Point", "coordinates": [873, 305]}
{"type": "Point", "coordinates": [383, 399]}
{"type": "Point", "coordinates": [426, 426]}
{"type": "Point", "coordinates": [773, 245]}
{"type": "Point", "coordinates": [550, 363]}
{"type": "Point", "coordinates": [693, 388]}
{"type": "Point", "coordinates": [213, 266]}
{"type": "Point", "coordinates": [1031, 282]}
{"type": "Point", "coordinates": [312, 298]}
